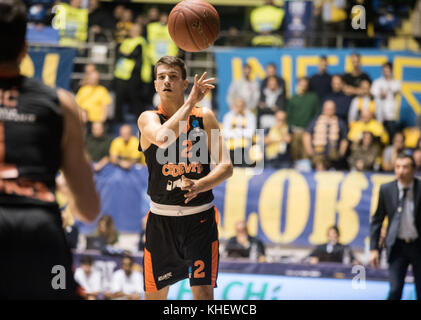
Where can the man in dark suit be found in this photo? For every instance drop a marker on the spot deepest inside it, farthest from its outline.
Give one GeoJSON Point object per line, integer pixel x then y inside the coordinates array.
{"type": "Point", "coordinates": [400, 201]}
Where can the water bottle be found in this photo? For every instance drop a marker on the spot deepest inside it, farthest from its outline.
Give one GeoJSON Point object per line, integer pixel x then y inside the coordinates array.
{"type": "Point", "coordinates": [253, 252]}
{"type": "Point", "coordinates": [346, 258]}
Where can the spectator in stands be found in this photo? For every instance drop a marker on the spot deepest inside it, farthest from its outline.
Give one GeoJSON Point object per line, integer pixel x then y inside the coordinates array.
{"type": "Point", "coordinates": [88, 69]}
{"type": "Point", "coordinates": [325, 140]}
{"type": "Point", "coordinates": [94, 98]}
{"type": "Point", "coordinates": [88, 278]}
{"type": "Point", "coordinates": [124, 149]}
{"type": "Point", "coordinates": [98, 145]}
{"type": "Point", "coordinates": [333, 250]}
{"type": "Point", "coordinates": [412, 136]}
{"type": "Point", "coordinates": [302, 108]}
{"type": "Point", "coordinates": [100, 22]}
{"type": "Point", "coordinates": [385, 89]}
{"type": "Point", "coordinates": [365, 154]}
{"type": "Point", "coordinates": [152, 15]}
{"type": "Point", "coordinates": [417, 159]}
{"type": "Point", "coordinates": [271, 71]}
{"type": "Point", "coordinates": [361, 37]}
{"type": "Point", "coordinates": [117, 14]}
{"type": "Point", "coordinates": [74, 28]}
{"type": "Point", "coordinates": [271, 101]}
{"type": "Point", "coordinates": [105, 228]}
{"type": "Point", "coordinates": [266, 22]}
{"type": "Point", "coordinates": [277, 140]}
{"type": "Point", "coordinates": [160, 42]}
{"type": "Point", "coordinates": [352, 79]}
{"type": "Point", "coordinates": [133, 74]}
{"type": "Point", "coordinates": [238, 128]}
{"type": "Point", "coordinates": [242, 245]}
{"type": "Point", "coordinates": [391, 152]}
{"type": "Point", "coordinates": [416, 22]}
{"type": "Point", "coordinates": [123, 25]}
{"type": "Point", "coordinates": [367, 123]}
{"type": "Point", "coordinates": [334, 18]}
{"type": "Point", "coordinates": [320, 83]}
{"type": "Point", "coordinates": [245, 89]}
{"type": "Point", "coordinates": [364, 101]}
{"type": "Point", "coordinates": [127, 283]}
{"type": "Point", "coordinates": [342, 101]}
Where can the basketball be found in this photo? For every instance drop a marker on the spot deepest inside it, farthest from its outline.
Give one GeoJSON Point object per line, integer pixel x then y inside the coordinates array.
{"type": "Point", "coordinates": [193, 25]}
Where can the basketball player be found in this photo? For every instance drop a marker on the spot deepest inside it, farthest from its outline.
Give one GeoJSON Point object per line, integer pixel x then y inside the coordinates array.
{"type": "Point", "coordinates": [181, 231]}
{"type": "Point", "coordinates": [40, 132]}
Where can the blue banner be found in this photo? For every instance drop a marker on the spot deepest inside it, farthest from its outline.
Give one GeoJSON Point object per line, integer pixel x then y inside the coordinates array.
{"type": "Point", "coordinates": [52, 65]}
{"type": "Point", "coordinates": [280, 206]}
{"type": "Point", "coordinates": [294, 63]}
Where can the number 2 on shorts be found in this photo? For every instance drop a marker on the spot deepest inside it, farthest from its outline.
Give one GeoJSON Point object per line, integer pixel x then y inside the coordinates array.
{"type": "Point", "coordinates": [199, 273]}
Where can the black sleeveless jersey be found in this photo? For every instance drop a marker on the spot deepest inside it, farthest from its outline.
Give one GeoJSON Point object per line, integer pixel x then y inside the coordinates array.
{"type": "Point", "coordinates": [188, 156]}
{"type": "Point", "coordinates": [31, 129]}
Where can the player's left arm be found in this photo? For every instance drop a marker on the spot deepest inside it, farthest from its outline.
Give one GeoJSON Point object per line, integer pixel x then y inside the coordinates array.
{"type": "Point", "coordinates": [219, 156]}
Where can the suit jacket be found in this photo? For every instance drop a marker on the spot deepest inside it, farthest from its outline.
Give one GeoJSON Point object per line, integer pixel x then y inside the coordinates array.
{"type": "Point", "coordinates": [336, 255]}
{"type": "Point", "coordinates": [387, 206]}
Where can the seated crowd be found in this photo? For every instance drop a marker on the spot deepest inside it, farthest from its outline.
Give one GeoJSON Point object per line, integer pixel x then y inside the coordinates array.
{"type": "Point", "coordinates": [332, 122]}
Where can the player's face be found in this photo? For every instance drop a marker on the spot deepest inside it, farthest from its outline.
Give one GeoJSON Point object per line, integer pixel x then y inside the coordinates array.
{"type": "Point", "coordinates": [169, 81]}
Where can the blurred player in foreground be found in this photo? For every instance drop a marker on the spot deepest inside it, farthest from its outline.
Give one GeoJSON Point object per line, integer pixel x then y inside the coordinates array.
{"type": "Point", "coordinates": [179, 140]}
{"type": "Point", "coordinates": [40, 132]}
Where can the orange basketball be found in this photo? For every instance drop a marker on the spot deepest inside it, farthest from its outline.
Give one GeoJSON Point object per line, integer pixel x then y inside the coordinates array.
{"type": "Point", "coordinates": [193, 25]}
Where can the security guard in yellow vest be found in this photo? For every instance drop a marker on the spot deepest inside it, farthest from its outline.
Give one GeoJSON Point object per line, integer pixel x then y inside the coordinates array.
{"type": "Point", "coordinates": [160, 42]}
{"type": "Point", "coordinates": [133, 72]}
{"type": "Point", "coordinates": [265, 21]}
{"type": "Point", "coordinates": [72, 21]}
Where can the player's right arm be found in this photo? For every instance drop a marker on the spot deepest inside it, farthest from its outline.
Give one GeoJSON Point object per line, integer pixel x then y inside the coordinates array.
{"type": "Point", "coordinates": [76, 166]}
{"type": "Point", "coordinates": [165, 134]}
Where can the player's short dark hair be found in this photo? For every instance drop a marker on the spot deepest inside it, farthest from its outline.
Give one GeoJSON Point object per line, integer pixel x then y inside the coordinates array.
{"type": "Point", "coordinates": [323, 57]}
{"type": "Point", "coordinates": [172, 62]}
{"type": "Point", "coordinates": [406, 155]}
{"type": "Point", "coordinates": [86, 260]}
{"type": "Point", "coordinates": [13, 19]}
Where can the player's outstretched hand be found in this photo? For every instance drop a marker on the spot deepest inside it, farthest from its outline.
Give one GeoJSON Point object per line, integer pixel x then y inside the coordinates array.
{"type": "Point", "coordinates": [201, 87]}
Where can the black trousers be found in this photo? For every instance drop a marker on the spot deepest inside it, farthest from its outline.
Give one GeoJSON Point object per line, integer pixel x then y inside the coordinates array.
{"type": "Point", "coordinates": [35, 260]}
{"type": "Point", "coordinates": [133, 92]}
{"type": "Point", "coordinates": [402, 255]}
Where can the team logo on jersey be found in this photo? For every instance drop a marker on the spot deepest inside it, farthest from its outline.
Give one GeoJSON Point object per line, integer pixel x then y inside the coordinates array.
{"type": "Point", "coordinates": [175, 170]}
{"type": "Point", "coordinates": [195, 123]}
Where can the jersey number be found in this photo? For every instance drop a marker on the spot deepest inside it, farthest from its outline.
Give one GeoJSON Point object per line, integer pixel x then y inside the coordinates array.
{"type": "Point", "coordinates": [185, 152]}
{"type": "Point", "coordinates": [199, 273]}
